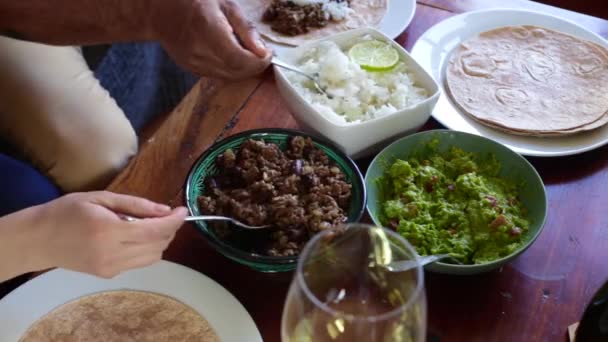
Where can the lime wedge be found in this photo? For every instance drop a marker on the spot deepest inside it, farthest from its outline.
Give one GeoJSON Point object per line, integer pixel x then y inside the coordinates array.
{"type": "Point", "coordinates": [374, 55]}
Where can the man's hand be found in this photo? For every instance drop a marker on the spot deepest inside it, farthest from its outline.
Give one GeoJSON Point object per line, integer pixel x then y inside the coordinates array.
{"type": "Point", "coordinates": [210, 37]}
{"type": "Point", "coordinates": [83, 232]}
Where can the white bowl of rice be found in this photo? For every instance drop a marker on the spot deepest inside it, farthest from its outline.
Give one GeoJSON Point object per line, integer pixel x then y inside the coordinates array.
{"type": "Point", "coordinates": [368, 109]}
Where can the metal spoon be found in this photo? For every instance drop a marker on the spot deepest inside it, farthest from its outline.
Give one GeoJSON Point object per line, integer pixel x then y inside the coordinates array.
{"type": "Point", "coordinates": [406, 265]}
{"type": "Point", "coordinates": [314, 77]}
{"type": "Point", "coordinates": [207, 218]}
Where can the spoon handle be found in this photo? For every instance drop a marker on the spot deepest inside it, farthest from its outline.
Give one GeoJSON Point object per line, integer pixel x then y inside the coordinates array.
{"type": "Point", "coordinates": [284, 65]}
{"type": "Point", "coordinates": [188, 218]}
{"type": "Point", "coordinates": [429, 259]}
{"type": "Point", "coordinates": [406, 265]}
{"type": "Point", "coordinates": [207, 218]}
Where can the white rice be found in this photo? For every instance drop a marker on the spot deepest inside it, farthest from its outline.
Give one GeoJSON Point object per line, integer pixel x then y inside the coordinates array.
{"type": "Point", "coordinates": [358, 95]}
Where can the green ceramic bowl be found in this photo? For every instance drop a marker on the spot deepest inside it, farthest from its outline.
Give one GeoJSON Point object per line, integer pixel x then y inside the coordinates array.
{"type": "Point", "coordinates": [514, 167]}
{"type": "Point", "coordinates": [205, 167]}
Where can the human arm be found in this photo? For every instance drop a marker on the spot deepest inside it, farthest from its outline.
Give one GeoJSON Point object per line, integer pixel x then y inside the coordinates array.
{"type": "Point", "coordinates": [209, 37]}
{"type": "Point", "coordinates": [71, 22]}
{"type": "Point", "coordinates": [83, 232]}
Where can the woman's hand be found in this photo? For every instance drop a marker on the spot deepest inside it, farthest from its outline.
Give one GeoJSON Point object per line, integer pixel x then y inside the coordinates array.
{"type": "Point", "coordinates": [210, 37]}
{"type": "Point", "coordinates": [83, 232]}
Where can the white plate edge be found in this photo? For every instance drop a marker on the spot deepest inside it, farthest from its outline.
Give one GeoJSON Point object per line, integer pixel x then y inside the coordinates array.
{"type": "Point", "coordinates": [599, 38]}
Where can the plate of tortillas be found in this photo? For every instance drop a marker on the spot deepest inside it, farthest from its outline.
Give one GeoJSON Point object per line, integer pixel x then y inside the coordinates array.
{"type": "Point", "coordinates": [289, 23]}
{"type": "Point", "coordinates": [533, 82]}
{"type": "Point", "coordinates": [161, 303]}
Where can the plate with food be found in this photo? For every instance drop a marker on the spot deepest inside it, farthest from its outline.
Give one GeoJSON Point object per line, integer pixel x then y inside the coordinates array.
{"type": "Point", "coordinates": [296, 183]}
{"type": "Point", "coordinates": [534, 82]}
{"type": "Point", "coordinates": [294, 22]}
{"type": "Point", "coordinates": [456, 193]}
{"type": "Point", "coordinates": [163, 302]}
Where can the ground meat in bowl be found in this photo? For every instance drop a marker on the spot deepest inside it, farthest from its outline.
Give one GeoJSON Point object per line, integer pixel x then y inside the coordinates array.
{"type": "Point", "coordinates": [299, 191]}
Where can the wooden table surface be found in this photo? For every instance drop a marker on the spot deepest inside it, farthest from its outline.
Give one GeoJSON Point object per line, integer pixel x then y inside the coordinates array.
{"type": "Point", "coordinates": [534, 298]}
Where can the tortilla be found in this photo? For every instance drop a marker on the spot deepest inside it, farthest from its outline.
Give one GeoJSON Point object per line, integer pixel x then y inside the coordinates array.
{"type": "Point", "coordinates": [530, 80]}
{"type": "Point", "coordinates": [365, 13]}
{"type": "Point", "coordinates": [121, 316]}
{"type": "Point", "coordinates": [589, 127]}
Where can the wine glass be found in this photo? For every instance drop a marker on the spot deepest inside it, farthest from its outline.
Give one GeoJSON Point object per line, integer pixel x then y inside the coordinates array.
{"type": "Point", "coordinates": [344, 291]}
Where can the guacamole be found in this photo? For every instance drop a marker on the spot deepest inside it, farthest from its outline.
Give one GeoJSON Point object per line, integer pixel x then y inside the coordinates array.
{"type": "Point", "coordinates": [453, 202]}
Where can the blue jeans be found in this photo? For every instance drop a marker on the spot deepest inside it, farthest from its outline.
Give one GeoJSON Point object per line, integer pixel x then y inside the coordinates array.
{"type": "Point", "coordinates": [144, 82]}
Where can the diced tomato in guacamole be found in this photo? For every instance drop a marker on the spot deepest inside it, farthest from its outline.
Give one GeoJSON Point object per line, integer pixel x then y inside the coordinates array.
{"type": "Point", "coordinates": [455, 203]}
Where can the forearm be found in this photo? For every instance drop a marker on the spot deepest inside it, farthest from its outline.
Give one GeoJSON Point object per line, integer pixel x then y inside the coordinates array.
{"type": "Point", "coordinates": [17, 256]}
{"type": "Point", "coordinates": [76, 22]}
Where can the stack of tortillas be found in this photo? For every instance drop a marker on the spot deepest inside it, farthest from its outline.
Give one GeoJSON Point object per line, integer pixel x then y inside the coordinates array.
{"type": "Point", "coordinates": [126, 316]}
{"type": "Point", "coordinates": [529, 80]}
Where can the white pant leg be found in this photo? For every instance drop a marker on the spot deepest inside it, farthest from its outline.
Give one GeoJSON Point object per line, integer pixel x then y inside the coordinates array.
{"type": "Point", "coordinates": [65, 122]}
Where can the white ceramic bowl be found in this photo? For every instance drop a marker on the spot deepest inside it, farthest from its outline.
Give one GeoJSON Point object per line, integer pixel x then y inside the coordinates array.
{"type": "Point", "coordinates": [363, 138]}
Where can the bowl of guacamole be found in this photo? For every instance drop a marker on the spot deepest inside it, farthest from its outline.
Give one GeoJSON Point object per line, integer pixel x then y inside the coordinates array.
{"type": "Point", "coordinates": [455, 193]}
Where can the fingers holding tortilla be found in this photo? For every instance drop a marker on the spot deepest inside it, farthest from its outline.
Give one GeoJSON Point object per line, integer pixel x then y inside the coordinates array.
{"type": "Point", "coordinates": [237, 60]}
{"type": "Point", "coordinates": [244, 29]}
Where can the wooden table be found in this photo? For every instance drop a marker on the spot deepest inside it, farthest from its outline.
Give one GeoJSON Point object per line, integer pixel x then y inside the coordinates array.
{"type": "Point", "coordinates": [533, 299]}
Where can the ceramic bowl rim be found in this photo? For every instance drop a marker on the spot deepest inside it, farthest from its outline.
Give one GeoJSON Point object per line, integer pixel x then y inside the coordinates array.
{"type": "Point", "coordinates": [298, 51]}
{"type": "Point", "coordinates": [516, 156]}
{"type": "Point", "coordinates": [249, 258]}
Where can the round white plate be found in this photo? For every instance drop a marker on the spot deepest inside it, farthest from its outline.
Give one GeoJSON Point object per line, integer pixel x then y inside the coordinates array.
{"type": "Point", "coordinates": [399, 15]}
{"type": "Point", "coordinates": [24, 306]}
{"type": "Point", "coordinates": [435, 45]}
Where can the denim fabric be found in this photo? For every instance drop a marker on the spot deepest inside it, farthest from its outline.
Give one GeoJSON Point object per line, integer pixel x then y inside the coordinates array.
{"type": "Point", "coordinates": [23, 186]}
{"type": "Point", "coordinates": [143, 80]}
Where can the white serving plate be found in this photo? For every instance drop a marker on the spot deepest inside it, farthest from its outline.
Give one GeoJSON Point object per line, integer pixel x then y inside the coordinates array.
{"type": "Point", "coordinates": [434, 47]}
{"type": "Point", "coordinates": [24, 306]}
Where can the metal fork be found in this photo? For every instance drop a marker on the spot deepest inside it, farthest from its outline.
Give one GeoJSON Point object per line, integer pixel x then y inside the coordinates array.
{"type": "Point", "coordinates": [207, 218]}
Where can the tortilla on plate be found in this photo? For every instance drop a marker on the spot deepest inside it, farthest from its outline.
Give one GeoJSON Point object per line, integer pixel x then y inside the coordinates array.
{"type": "Point", "coordinates": [529, 80]}
{"type": "Point", "coordinates": [126, 316]}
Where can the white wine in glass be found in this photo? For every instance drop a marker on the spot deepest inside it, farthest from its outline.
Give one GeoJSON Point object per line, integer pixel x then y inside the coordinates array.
{"type": "Point", "coordinates": [344, 291]}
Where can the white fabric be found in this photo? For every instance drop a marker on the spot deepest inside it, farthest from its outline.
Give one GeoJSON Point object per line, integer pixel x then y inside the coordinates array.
{"type": "Point", "coordinates": [55, 110]}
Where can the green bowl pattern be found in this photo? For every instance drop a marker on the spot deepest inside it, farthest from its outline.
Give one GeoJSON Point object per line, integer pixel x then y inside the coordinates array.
{"type": "Point", "coordinates": [514, 167]}
{"type": "Point", "coordinates": [206, 167]}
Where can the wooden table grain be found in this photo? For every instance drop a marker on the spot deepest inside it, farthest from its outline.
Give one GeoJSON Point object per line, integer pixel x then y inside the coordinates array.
{"type": "Point", "coordinates": [534, 298]}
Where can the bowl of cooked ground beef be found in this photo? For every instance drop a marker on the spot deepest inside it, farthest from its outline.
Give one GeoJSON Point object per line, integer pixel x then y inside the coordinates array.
{"type": "Point", "coordinates": [297, 183]}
